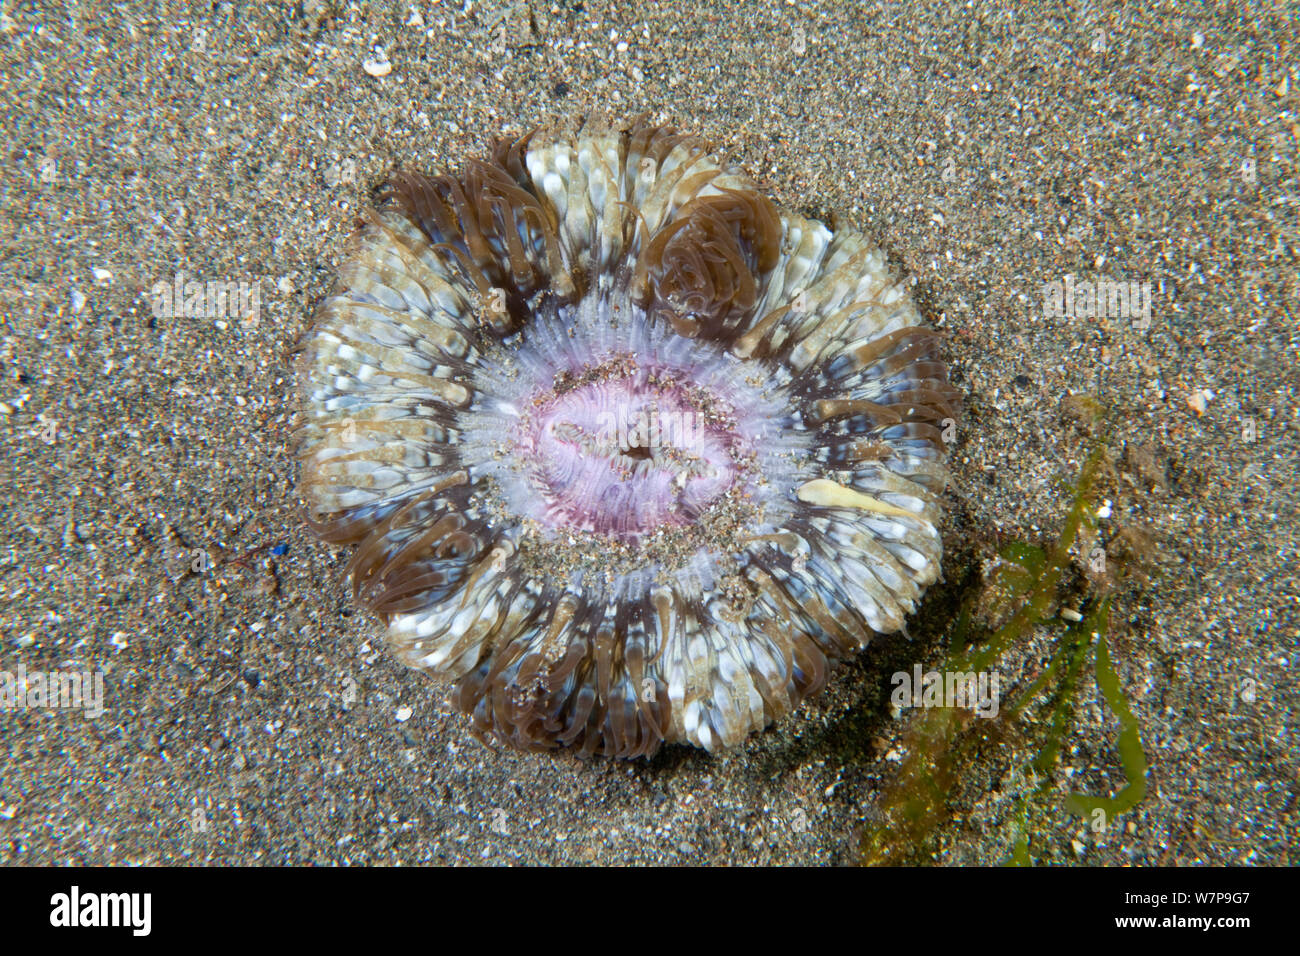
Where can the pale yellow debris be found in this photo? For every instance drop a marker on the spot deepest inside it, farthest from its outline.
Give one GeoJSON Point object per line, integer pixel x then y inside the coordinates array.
{"type": "Point", "coordinates": [828, 494]}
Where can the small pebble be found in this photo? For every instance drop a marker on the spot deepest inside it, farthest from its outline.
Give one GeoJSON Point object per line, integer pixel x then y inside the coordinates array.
{"type": "Point", "coordinates": [377, 65]}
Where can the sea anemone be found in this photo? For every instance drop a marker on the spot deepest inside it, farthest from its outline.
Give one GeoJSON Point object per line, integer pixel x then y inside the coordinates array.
{"type": "Point", "coordinates": [629, 455]}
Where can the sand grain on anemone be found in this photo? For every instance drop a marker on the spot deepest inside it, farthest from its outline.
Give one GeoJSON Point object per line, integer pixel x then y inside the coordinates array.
{"type": "Point", "coordinates": [628, 455]}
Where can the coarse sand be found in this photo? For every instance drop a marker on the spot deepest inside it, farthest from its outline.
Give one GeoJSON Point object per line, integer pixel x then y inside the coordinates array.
{"type": "Point", "coordinates": [251, 713]}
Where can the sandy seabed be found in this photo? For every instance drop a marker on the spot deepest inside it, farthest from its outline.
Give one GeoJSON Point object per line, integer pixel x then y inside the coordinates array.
{"type": "Point", "coordinates": [153, 533]}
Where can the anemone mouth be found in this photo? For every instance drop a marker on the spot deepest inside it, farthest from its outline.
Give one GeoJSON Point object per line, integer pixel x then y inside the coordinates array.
{"type": "Point", "coordinates": [628, 451]}
{"type": "Point", "coordinates": [628, 454]}
{"type": "Point", "coordinates": [623, 455]}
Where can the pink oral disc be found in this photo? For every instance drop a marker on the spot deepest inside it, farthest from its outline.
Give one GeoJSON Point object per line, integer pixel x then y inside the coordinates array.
{"type": "Point", "coordinates": [627, 457]}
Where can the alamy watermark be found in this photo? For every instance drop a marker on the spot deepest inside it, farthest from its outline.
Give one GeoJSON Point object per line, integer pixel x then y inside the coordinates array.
{"type": "Point", "coordinates": [1105, 298]}
{"type": "Point", "coordinates": [652, 429]}
{"type": "Point", "coordinates": [974, 691]}
{"type": "Point", "coordinates": [207, 299]}
{"type": "Point", "coordinates": [629, 431]}
{"type": "Point", "coordinates": [133, 911]}
{"type": "Point", "coordinates": [22, 689]}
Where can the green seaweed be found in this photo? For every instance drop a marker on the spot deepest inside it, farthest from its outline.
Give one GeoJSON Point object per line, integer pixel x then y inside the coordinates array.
{"type": "Point", "coordinates": [1132, 757]}
{"type": "Point", "coordinates": [915, 804]}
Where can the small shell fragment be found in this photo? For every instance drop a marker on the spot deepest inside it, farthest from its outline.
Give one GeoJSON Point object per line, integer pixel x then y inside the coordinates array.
{"type": "Point", "coordinates": [378, 64]}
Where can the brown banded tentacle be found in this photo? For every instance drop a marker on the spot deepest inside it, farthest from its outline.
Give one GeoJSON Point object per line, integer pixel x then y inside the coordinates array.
{"type": "Point", "coordinates": [702, 268]}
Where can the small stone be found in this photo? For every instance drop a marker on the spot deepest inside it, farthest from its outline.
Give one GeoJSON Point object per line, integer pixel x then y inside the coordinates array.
{"type": "Point", "coordinates": [378, 64]}
{"type": "Point", "coordinates": [1199, 400]}
{"type": "Point", "coordinates": [404, 714]}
